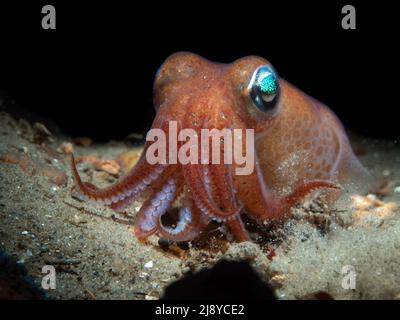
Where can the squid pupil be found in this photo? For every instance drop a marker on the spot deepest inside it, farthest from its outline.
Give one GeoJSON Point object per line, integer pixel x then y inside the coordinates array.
{"type": "Point", "coordinates": [269, 85]}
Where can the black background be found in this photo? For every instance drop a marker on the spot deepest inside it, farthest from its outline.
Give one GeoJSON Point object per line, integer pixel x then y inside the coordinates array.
{"type": "Point", "coordinates": [93, 75]}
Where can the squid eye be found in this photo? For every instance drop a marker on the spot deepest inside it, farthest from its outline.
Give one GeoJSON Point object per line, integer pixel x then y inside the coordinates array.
{"type": "Point", "coordinates": [264, 88]}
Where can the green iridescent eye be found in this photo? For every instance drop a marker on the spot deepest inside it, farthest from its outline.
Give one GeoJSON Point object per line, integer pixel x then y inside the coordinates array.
{"type": "Point", "coordinates": [264, 88]}
{"type": "Point", "coordinates": [269, 84]}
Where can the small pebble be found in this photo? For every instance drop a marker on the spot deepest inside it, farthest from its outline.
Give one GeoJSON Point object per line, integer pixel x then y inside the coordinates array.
{"type": "Point", "coordinates": [185, 270]}
{"type": "Point", "coordinates": [41, 128]}
{"type": "Point", "coordinates": [386, 173]}
{"type": "Point", "coordinates": [164, 243]}
{"type": "Point", "coordinates": [155, 285]}
{"type": "Point", "coordinates": [66, 147]}
{"type": "Point", "coordinates": [23, 149]}
{"type": "Point", "coordinates": [134, 139]}
{"type": "Point", "coordinates": [144, 275]}
{"type": "Point", "coordinates": [55, 176]}
{"type": "Point", "coordinates": [148, 265]}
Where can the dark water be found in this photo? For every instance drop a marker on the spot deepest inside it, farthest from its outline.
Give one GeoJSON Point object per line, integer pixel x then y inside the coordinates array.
{"type": "Point", "coordinates": [93, 75]}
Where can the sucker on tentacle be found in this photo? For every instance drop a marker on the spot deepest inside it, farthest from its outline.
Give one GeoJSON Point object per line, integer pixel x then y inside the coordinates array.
{"type": "Point", "coordinates": [130, 187]}
{"type": "Point", "coordinates": [146, 220]}
{"type": "Point", "coordinates": [190, 224]}
{"type": "Point", "coordinates": [219, 185]}
{"type": "Point", "coordinates": [138, 180]}
{"type": "Point", "coordinates": [202, 200]}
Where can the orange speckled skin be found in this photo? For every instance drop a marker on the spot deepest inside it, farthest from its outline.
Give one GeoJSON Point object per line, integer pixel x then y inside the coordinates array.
{"type": "Point", "coordinates": [300, 146]}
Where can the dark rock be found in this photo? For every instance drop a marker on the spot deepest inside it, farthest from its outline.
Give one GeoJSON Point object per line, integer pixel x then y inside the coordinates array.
{"type": "Point", "coordinates": [226, 280]}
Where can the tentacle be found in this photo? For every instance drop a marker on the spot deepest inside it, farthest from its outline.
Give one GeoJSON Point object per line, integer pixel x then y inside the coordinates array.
{"type": "Point", "coordinates": [213, 190]}
{"type": "Point", "coordinates": [157, 184]}
{"type": "Point", "coordinates": [303, 190]}
{"type": "Point", "coordinates": [194, 177]}
{"type": "Point", "coordinates": [238, 229]}
{"type": "Point", "coordinates": [146, 220]}
{"type": "Point", "coordinates": [133, 184]}
{"type": "Point", "coordinates": [266, 204]}
{"type": "Point", "coordinates": [221, 188]}
{"type": "Point", "coordinates": [122, 204]}
{"type": "Point", "coordinates": [190, 224]}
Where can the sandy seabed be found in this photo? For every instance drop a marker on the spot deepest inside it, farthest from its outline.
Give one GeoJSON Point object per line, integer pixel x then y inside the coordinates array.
{"type": "Point", "coordinates": [95, 257]}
